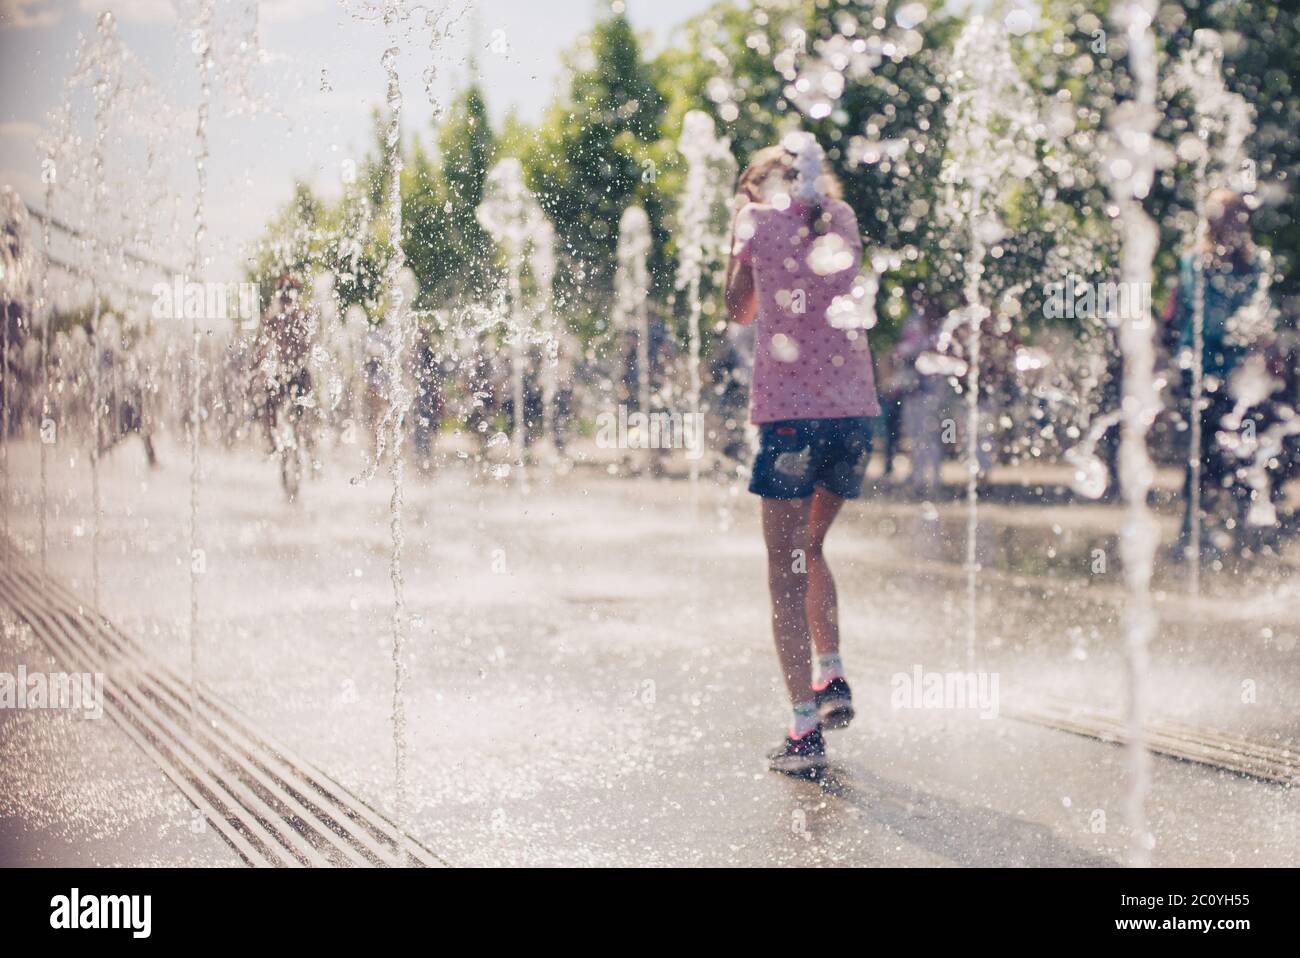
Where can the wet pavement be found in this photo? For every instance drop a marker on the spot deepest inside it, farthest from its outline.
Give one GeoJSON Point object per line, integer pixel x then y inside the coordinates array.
{"type": "Point", "coordinates": [76, 792]}
{"type": "Point", "coordinates": [591, 676]}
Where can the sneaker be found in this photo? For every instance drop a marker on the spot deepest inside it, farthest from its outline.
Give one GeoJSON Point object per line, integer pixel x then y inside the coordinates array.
{"type": "Point", "coordinates": [834, 704]}
{"type": "Point", "coordinates": [799, 756]}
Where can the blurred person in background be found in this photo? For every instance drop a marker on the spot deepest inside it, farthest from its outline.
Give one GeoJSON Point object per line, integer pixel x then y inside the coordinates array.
{"type": "Point", "coordinates": [1228, 263]}
{"type": "Point", "coordinates": [921, 394]}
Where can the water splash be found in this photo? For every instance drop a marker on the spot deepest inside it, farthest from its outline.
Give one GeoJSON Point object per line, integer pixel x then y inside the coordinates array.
{"type": "Point", "coordinates": [1130, 170]}
{"type": "Point", "coordinates": [15, 288]}
{"type": "Point", "coordinates": [1222, 122]}
{"type": "Point", "coordinates": [400, 321]}
{"type": "Point", "coordinates": [104, 59]}
{"type": "Point", "coordinates": [513, 218]}
{"type": "Point", "coordinates": [397, 320]}
{"type": "Point", "coordinates": [1250, 385]}
{"type": "Point", "coordinates": [53, 145]}
{"type": "Point", "coordinates": [993, 127]}
{"type": "Point", "coordinates": [1091, 477]}
{"type": "Point", "coordinates": [200, 47]}
{"type": "Point", "coordinates": [631, 290]}
{"type": "Point", "coordinates": [819, 73]}
{"type": "Point", "coordinates": [703, 215]}
{"type": "Point", "coordinates": [543, 266]}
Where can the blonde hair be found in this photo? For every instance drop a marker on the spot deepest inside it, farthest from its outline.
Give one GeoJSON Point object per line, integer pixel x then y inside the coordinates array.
{"type": "Point", "coordinates": [781, 161]}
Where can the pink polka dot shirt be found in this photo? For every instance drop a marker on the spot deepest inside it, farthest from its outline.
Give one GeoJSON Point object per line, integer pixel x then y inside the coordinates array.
{"type": "Point", "coordinates": [811, 357]}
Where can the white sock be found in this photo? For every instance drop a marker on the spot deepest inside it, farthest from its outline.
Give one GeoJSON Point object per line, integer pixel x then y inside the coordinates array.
{"type": "Point", "coordinates": [829, 667]}
{"type": "Point", "coordinates": [805, 718]}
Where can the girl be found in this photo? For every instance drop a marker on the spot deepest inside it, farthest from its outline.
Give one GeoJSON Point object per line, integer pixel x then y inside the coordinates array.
{"type": "Point", "coordinates": [795, 255]}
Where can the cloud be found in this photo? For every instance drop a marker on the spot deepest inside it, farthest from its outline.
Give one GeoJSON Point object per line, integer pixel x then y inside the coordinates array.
{"type": "Point", "coordinates": [25, 14]}
{"type": "Point", "coordinates": [133, 11]}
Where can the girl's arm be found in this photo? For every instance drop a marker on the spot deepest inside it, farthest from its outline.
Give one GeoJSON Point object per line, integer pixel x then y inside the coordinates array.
{"type": "Point", "coordinates": [742, 304]}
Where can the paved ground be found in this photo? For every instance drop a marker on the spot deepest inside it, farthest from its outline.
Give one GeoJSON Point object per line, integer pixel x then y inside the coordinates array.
{"type": "Point", "coordinates": [592, 682]}
{"type": "Point", "coordinates": [76, 792]}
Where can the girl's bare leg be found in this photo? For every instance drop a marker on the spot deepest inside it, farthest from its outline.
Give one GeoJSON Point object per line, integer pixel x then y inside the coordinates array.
{"type": "Point", "coordinates": [785, 532]}
{"type": "Point", "coordinates": [821, 602]}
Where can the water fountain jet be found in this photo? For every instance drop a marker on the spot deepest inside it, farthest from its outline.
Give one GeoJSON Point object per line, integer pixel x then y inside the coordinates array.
{"type": "Point", "coordinates": [992, 128]}
{"type": "Point", "coordinates": [702, 222]}
{"type": "Point", "coordinates": [1130, 169]}
{"type": "Point", "coordinates": [631, 289]}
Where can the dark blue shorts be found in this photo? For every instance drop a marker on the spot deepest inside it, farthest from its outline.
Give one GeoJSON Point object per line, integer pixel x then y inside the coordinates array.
{"type": "Point", "coordinates": [797, 455]}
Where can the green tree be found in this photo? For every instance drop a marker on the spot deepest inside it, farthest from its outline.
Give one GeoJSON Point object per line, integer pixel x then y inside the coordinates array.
{"type": "Point", "coordinates": [426, 240]}
{"type": "Point", "coordinates": [593, 156]}
{"type": "Point", "coordinates": [291, 241]}
{"type": "Point", "coordinates": [467, 148]}
{"type": "Point", "coordinates": [742, 65]}
{"type": "Point", "coordinates": [1260, 42]}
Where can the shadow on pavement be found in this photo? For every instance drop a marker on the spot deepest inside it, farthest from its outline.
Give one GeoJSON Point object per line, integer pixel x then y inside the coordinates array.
{"type": "Point", "coordinates": [963, 834]}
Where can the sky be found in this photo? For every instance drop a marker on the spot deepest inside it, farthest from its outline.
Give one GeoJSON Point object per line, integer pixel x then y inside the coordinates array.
{"type": "Point", "coordinates": [320, 77]}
